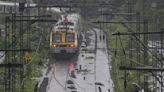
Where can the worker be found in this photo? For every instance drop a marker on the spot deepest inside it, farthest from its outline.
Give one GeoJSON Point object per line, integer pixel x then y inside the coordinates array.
{"type": "Point", "coordinates": [103, 38]}
{"type": "Point", "coordinates": [100, 37]}
{"type": "Point", "coordinates": [99, 89]}
{"type": "Point", "coordinates": [84, 78]}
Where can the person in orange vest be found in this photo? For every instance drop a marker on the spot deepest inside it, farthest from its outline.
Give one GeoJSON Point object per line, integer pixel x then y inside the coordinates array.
{"type": "Point", "coordinates": [72, 68]}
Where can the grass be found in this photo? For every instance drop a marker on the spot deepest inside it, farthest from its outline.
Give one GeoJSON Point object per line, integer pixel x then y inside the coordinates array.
{"type": "Point", "coordinates": [121, 58]}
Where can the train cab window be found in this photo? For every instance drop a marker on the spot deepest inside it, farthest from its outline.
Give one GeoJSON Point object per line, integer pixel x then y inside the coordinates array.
{"type": "Point", "coordinates": [68, 24]}
{"type": "Point", "coordinates": [57, 38]}
{"type": "Point", "coordinates": [70, 37]}
{"type": "Point", "coordinates": [61, 24]}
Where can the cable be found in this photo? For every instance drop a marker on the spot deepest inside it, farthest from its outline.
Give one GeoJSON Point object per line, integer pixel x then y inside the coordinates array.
{"type": "Point", "coordinates": [122, 48]}
{"type": "Point", "coordinates": [29, 63]}
{"type": "Point", "coordinates": [143, 44]}
{"type": "Point", "coordinates": [115, 52]}
{"type": "Point", "coordinates": [95, 55]}
{"type": "Point", "coordinates": [115, 55]}
{"type": "Point", "coordinates": [149, 50]}
{"type": "Point", "coordinates": [36, 50]}
{"type": "Point", "coordinates": [8, 47]}
{"type": "Point", "coordinates": [125, 75]}
{"type": "Point", "coordinates": [21, 85]}
{"type": "Point", "coordinates": [59, 83]}
{"type": "Point", "coordinates": [11, 45]}
{"type": "Point", "coordinates": [77, 84]}
{"type": "Point", "coordinates": [131, 59]}
{"type": "Point", "coordinates": [157, 78]}
{"type": "Point", "coordinates": [135, 61]}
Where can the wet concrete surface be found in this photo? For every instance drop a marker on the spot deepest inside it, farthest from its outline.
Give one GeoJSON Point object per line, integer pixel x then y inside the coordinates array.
{"type": "Point", "coordinates": [90, 72]}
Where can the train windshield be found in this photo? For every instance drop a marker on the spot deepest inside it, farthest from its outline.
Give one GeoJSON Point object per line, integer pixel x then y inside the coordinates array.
{"type": "Point", "coordinates": [57, 38]}
{"type": "Point", "coordinates": [66, 23]}
{"type": "Point", "coordinates": [70, 37]}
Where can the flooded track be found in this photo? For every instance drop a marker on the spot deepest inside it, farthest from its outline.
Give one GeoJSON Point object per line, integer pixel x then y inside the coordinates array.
{"type": "Point", "coordinates": [59, 74]}
{"type": "Point", "coordinates": [83, 73]}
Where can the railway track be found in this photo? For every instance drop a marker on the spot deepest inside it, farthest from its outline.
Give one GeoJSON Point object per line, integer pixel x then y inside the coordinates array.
{"type": "Point", "coordinates": [81, 74]}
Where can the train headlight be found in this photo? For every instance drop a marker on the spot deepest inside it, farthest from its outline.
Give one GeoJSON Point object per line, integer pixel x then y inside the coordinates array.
{"type": "Point", "coordinates": [71, 45]}
{"type": "Point", "coordinates": [54, 45]}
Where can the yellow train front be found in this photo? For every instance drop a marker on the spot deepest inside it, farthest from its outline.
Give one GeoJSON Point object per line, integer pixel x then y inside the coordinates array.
{"type": "Point", "coordinates": [64, 40]}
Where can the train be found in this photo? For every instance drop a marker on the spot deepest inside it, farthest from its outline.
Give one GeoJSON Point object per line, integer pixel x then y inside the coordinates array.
{"type": "Point", "coordinates": [65, 37]}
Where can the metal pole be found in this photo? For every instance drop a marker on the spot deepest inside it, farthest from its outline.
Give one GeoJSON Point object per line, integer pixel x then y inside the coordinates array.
{"type": "Point", "coordinates": [21, 9]}
{"type": "Point", "coordinates": [145, 54]}
{"type": "Point", "coordinates": [138, 46]}
{"type": "Point", "coordinates": [7, 72]}
{"type": "Point", "coordinates": [161, 61]}
{"type": "Point", "coordinates": [131, 40]}
{"type": "Point", "coordinates": [13, 52]}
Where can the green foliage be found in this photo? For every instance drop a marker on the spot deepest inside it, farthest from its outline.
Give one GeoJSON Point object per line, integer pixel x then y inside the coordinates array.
{"type": "Point", "coordinates": [114, 28]}
{"type": "Point", "coordinates": [118, 76]}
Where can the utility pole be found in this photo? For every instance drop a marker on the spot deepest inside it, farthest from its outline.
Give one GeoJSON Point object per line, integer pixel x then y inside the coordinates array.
{"type": "Point", "coordinates": [10, 53]}
{"type": "Point", "coordinates": [145, 54]}
{"type": "Point", "coordinates": [161, 40]}
{"type": "Point", "coordinates": [138, 45]}
{"type": "Point", "coordinates": [14, 48]}
{"type": "Point", "coordinates": [21, 10]}
{"type": "Point", "coordinates": [131, 40]}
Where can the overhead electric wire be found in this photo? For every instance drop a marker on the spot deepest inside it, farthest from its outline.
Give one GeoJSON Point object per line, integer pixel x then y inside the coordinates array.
{"type": "Point", "coordinates": [125, 53]}
{"type": "Point", "coordinates": [157, 78]}
{"type": "Point", "coordinates": [30, 62]}
{"type": "Point", "coordinates": [36, 51]}
{"type": "Point", "coordinates": [22, 83]}
{"type": "Point", "coordinates": [143, 44]}
{"type": "Point", "coordinates": [148, 50]}
{"type": "Point", "coordinates": [140, 42]}
{"type": "Point", "coordinates": [1, 56]}
{"type": "Point", "coordinates": [115, 55]}
{"type": "Point", "coordinates": [130, 58]}
{"type": "Point", "coordinates": [134, 61]}
{"type": "Point", "coordinates": [122, 47]}
{"type": "Point", "coordinates": [33, 57]}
